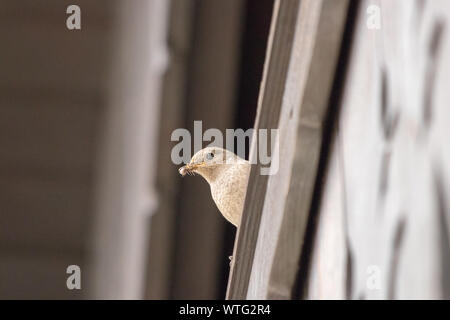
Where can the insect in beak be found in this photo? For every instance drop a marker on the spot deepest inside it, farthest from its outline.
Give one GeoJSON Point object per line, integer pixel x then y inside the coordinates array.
{"type": "Point", "coordinates": [184, 170]}
{"type": "Point", "coordinates": [189, 169]}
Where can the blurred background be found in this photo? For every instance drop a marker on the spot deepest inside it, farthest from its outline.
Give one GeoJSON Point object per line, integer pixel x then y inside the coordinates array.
{"type": "Point", "coordinates": [358, 90]}
{"type": "Point", "coordinates": [85, 123]}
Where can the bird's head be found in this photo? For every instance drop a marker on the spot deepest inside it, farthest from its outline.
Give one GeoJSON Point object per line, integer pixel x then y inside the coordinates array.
{"type": "Point", "coordinates": [206, 161]}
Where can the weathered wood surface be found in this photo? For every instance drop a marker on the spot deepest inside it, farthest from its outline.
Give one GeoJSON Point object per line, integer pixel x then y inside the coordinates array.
{"type": "Point", "coordinates": [383, 229]}
{"type": "Point", "coordinates": [325, 23]}
{"type": "Point", "coordinates": [302, 55]}
{"type": "Point", "coordinates": [271, 95]}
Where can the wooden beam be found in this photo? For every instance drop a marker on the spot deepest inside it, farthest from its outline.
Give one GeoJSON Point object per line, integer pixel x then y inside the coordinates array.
{"type": "Point", "coordinates": [314, 105]}
{"type": "Point", "coordinates": [300, 68]}
{"type": "Point", "coordinates": [272, 88]}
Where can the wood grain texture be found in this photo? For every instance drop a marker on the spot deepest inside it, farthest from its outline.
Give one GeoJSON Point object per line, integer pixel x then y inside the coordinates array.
{"type": "Point", "coordinates": [312, 71]}
{"type": "Point", "coordinates": [271, 95]}
{"type": "Point", "coordinates": [294, 98]}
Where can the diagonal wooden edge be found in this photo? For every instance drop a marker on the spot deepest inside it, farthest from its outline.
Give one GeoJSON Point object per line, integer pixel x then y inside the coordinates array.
{"type": "Point", "coordinates": [327, 31]}
{"type": "Point", "coordinates": [313, 112]}
{"type": "Point", "coordinates": [272, 88]}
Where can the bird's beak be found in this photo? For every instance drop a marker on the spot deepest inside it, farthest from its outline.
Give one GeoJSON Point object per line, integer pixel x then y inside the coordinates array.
{"type": "Point", "coordinates": [189, 168]}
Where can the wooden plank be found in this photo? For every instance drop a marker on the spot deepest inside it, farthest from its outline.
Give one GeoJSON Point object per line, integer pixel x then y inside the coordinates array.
{"type": "Point", "coordinates": [271, 95]}
{"type": "Point", "coordinates": [383, 227]}
{"type": "Point", "coordinates": [284, 218]}
{"type": "Point", "coordinates": [276, 210]}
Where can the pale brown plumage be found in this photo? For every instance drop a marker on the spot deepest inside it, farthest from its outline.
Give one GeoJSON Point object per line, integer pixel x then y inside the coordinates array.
{"type": "Point", "coordinates": [227, 175]}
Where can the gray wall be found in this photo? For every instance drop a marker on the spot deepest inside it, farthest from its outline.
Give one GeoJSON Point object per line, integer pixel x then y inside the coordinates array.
{"type": "Point", "coordinates": [51, 99]}
{"type": "Point", "coordinates": [384, 220]}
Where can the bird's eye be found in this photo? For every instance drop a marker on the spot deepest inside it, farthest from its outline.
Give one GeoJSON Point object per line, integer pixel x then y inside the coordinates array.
{"type": "Point", "coordinates": [209, 156]}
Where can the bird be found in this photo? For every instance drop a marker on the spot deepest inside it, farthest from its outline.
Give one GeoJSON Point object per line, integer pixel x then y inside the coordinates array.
{"type": "Point", "coordinates": [227, 175]}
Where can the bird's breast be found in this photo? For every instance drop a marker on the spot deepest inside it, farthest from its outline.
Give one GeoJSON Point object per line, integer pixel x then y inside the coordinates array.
{"type": "Point", "coordinates": [228, 191]}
